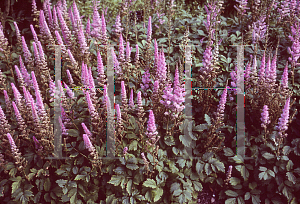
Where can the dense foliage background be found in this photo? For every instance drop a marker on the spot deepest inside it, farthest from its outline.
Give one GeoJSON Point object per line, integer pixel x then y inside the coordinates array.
{"type": "Point", "coordinates": [147, 170]}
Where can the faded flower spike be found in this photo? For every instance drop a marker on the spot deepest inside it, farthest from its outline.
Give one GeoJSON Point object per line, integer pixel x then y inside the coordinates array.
{"type": "Point", "coordinates": [265, 116]}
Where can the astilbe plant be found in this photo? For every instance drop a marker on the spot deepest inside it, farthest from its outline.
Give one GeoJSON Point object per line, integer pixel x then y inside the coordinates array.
{"type": "Point", "coordinates": [144, 167]}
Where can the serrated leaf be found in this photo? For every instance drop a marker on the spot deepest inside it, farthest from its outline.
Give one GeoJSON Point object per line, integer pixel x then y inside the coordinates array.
{"type": "Point", "coordinates": [174, 187]}
{"type": "Point", "coordinates": [47, 184]}
{"type": "Point", "coordinates": [132, 166]}
{"type": "Point", "coordinates": [175, 150]}
{"type": "Point", "coordinates": [244, 172]}
{"type": "Point", "coordinates": [230, 201]}
{"type": "Point", "coordinates": [157, 194]}
{"type": "Point", "coordinates": [73, 133]}
{"type": "Point", "coordinates": [115, 180]}
{"type": "Point", "coordinates": [262, 168]}
{"type": "Point", "coordinates": [199, 167]}
{"type": "Point", "coordinates": [252, 185]}
{"type": "Point", "coordinates": [59, 171]}
{"type": "Point", "coordinates": [129, 187]}
{"type": "Point", "coordinates": [238, 159]}
{"type": "Point", "coordinates": [120, 170]}
{"type": "Point", "coordinates": [133, 145]}
{"type": "Point", "coordinates": [200, 128]}
{"type": "Point", "coordinates": [208, 169]}
{"type": "Point", "coordinates": [291, 177]}
{"type": "Point", "coordinates": [181, 162]}
{"type": "Point", "coordinates": [75, 170]}
{"type": "Point", "coordinates": [207, 119]}
{"type": "Point", "coordinates": [79, 177]}
{"type": "Point", "coordinates": [231, 193]}
{"type": "Point", "coordinates": [186, 140]}
{"type": "Point", "coordinates": [255, 199]}
{"type": "Point", "coordinates": [235, 181]}
{"type": "Point", "coordinates": [150, 183]}
{"type": "Point", "coordinates": [177, 192]}
{"type": "Point", "coordinates": [197, 186]}
{"type": "Point", "coordinates": [187, 194]}
{"type": "Point", "coordinates": [220, 166]}
{"type": "Point", "coordinates": [15, 186]}
{"type": "Point", "coordinates": [289, 165]}
{"type": "Point", "coordinates": [271, 173]}
{"type": "Point", "coordinates": [247, 196]}
{"type": "Point", "coordinates": [286, 150]}
{"type": "Point", "coordinates": [228, 152]}
{"type": "Point", "coordinates": [268, 155]}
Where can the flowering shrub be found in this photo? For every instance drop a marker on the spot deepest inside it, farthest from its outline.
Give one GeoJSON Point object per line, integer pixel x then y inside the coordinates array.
{"type": "Point", "coordinates": [151, 162]}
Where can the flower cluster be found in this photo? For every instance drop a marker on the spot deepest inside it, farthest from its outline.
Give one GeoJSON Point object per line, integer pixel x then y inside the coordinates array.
{"type": "Point", "coordinates": [283, 120]}
{"type": "Point", "coordinates": [265, 117]}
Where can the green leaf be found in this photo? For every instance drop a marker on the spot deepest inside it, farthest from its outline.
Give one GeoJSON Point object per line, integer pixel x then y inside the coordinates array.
{"type": "Point", "coordinates": [110, 198]}
{"type": "Point", "coordinates": [244, 172]}
{"type": "Point", "coordinates": [75, 170]}
{"type": "Point", "coordinates": [186, 140]}
{"type": "Point", "coordinates": [291, 177]}
{"type": "Point", "coordinates": [79, 177]}
{"type": "Point", "coordinates": [181, 162]}
{"type": "Point", "coordinates": [255, 199]}
{"type": "Point", "coordinates": [150, 183]}
{"type": "Point", "coordinates": [199, 167]}
{"type": "Point", "coordinates": [169, 140]}
{"type": "Point", "coordinates": [230, 201]}
{"type": "Point", "coordinates": [252, 185]}
{"type": "Point", "coordinates": [175, 150]}
{"type": "Point", "coordinates": [129, 187]}
{"type": "Point", "coordinates": [261, 168]}
{"type": "Point", "coordinates": [187, 194]}
{"type": "Point", "coordinates": [60, 171]}
{"type": "Point", "coordinates": [268, 155]}
{"type": "Point", "coordinates": [228, 152]}
{"type": "Point", "coordinates": [208, 169]}
{"type": "Point", "coordinates": [289, 165]}
{"type": "Point", "coordinates": [15, 186]}
{"type": "Point", "coordinates": [220, 166]}
{"type": "Point", "coordinates": [133, 145]}
{"type": "Point", "coordinates": [231, 193]}
{"type": "Point", "coordinates": [157, 194]}
{"type": "Point", "coordinates": [120, 170]}
{"type": "Point", "coordinates": [73, 133]}
{"type": "Point", "coordinates": [116, 180]}
{"type": "Point", "coordinates": [200, 128]}
{"type": "Point", "coordinates": [238, 159]}
{"type": "Point", "coordinates": [177, 192]}
{"type": "Point", "coordinates": [271, 173]}
{"type": "Point", "coordinates": [47, 184]}
{"type": "Point", "coordinates": [132, 159]}
{"type": "Point", "coordinates": [235, 181]}
{"type": "Point", "coordinates": [197, 186]}
{"type": "Point", "coordinates": [247, 196]}
{"type": "Point", "coordinates": [174, 187]}
{"type": "Point", "coordinates": [200, 32]}
{"type": "Point", "coordinates": [286, 150]}
{"type": "Point", "coordinates": [132, 166]}
{"type": "Point", "coordinates": [207, 119]}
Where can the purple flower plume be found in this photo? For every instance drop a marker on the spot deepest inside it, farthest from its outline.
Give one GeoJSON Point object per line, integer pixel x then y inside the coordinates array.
{"type": "Point", "coordinates": [265, 116]}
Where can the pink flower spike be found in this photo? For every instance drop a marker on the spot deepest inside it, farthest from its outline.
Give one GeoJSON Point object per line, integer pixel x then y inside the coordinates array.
{"type": "Point", "coordinates": [103, 28]}
{"type": "Point", "coordinates": [131, 103]}
{"type": "Point", "coordinates": [87, 143]}
{"type": "Point", "coordinates": [36, 143]}
{"type": "Point", "coordinates": [284, 79]}
{"type": "Point", "coordinates": [123, 93]}
{"type": "Point", "coordinates": [86, 130]}
{"type": "Point", "coordinates": [12, 143]}
{"type": "Point", "coordinates": [283, 120]}
{"type": "Point", "coordinates": [149, 32]}
{"type": "Point", "coordinates": [119, 117]}
{"type": "Point", "coordinates": [70, 77]}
